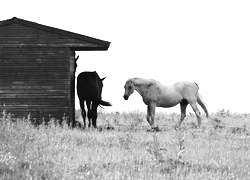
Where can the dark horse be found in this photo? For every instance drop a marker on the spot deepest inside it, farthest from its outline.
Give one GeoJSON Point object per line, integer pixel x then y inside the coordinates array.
{"type": "Point", "coordinates": [89, 89]}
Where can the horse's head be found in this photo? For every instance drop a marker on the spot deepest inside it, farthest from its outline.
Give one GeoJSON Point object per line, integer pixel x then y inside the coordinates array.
{"type": "Point", "coordinates": [129, 89]}
{"type": "Point", "coordinates": [100, 83]}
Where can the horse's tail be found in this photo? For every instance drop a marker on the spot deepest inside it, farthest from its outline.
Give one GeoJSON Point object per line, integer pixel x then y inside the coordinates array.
{"type": "Point", "coordinates": [202, 104]}
{"type": "Point", "coordinates": [104, 103]}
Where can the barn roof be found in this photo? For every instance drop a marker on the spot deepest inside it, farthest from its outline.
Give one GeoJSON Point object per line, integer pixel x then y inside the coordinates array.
{"type": "Point", "coordinates": [75, 41]}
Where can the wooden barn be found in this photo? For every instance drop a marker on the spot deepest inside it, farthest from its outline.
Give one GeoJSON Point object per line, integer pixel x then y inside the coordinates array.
{"type": "Point", "coordinates": [37, 68]}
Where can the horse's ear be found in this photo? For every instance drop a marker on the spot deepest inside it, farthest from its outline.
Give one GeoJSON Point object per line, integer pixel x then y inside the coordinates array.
{"type": "Point", "coordinates": [103, 78]}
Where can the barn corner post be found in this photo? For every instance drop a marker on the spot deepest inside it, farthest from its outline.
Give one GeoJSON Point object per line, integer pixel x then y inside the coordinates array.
{"type": "Point", "coordinates": [72, 87]}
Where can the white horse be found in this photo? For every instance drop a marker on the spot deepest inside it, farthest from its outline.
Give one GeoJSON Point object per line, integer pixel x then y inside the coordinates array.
{"type": "Point", "coordinates": [154, 94]}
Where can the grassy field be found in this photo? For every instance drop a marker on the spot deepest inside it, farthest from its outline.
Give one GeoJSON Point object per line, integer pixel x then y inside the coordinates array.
{"type": "Point", "coordinates": [123, 149]}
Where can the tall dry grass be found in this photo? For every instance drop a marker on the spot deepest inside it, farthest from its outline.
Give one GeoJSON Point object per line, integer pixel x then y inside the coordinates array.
{"type": "Point", "coordinates": [220, 149]}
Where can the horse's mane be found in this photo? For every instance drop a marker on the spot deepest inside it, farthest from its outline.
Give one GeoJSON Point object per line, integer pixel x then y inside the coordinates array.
{"type": "Point", "coordinates": [137, 80]}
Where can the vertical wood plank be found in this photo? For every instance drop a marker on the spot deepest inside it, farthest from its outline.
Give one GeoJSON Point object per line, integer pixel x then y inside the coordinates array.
{"type": "Point", "coordinates": [72, 85]}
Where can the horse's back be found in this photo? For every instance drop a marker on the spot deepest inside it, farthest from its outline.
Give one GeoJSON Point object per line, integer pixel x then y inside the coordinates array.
{"type": "Point", "coordinates": [87, 85]}
{"type": "Point", "coordinates": [186, 84]}
{"type": "Point", "coordinates": [86, 78]}
{"type": "Point", "coordinates": [187, 88]}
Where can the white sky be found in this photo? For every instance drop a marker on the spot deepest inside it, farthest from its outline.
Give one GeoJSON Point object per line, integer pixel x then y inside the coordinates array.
{"type": "Point", "coordinates": [203, 41]}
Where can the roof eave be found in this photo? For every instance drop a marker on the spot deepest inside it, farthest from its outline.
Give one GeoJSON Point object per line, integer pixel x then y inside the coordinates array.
{"type": "Point", "coordinates": [89, 48]}
{"type": "Point", "coordinates": [101, 45]}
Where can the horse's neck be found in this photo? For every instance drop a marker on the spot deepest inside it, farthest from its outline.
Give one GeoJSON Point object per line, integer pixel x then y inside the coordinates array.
{"type": "Point", "coordinates": [141, 85]}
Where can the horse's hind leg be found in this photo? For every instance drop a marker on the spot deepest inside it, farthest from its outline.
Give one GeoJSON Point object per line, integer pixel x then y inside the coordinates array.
{"type": "Point", "coordinates": [83, 113]}
{"type": "Point", "coordinates": [183, 104]}
{"type": "Point", "coordinates": [197, 112]}
{"type": "Point", "coordinates": [94, 114]}
{"type": "Point", "coordinates": [89, 112]}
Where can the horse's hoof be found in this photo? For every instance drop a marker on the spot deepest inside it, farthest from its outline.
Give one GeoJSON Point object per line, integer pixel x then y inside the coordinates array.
{"type": "Point", "coordinates": [154, 129]}
{"type": "Point", "coordinates": [176, 127]}
{"type": "Point", "coordinates": [110, 128]}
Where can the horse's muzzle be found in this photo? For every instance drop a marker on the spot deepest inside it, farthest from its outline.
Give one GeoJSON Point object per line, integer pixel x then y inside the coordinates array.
{"type": "Point", "coordinates": [125, 97]}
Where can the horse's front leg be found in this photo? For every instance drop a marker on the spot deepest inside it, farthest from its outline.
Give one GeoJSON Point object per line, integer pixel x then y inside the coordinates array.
{"type": "Point", "coordinates": [151, 115]}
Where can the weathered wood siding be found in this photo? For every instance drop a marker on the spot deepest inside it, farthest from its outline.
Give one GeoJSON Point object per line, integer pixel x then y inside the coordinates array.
{"type": "Point", "coordinates": [35, 72]}
{"type": "Point", "coordinates": [15, 34]}
{"type": "Point", "coordinates": [35, 80]}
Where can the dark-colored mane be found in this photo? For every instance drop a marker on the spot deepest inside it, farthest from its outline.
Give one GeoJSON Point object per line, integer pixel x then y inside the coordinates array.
{"type": "Point", "coordinates": [89, 90]}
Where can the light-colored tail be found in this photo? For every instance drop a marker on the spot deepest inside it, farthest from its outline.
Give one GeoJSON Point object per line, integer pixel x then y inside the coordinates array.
{"type": "Point", "coordinates": [202, 104]}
